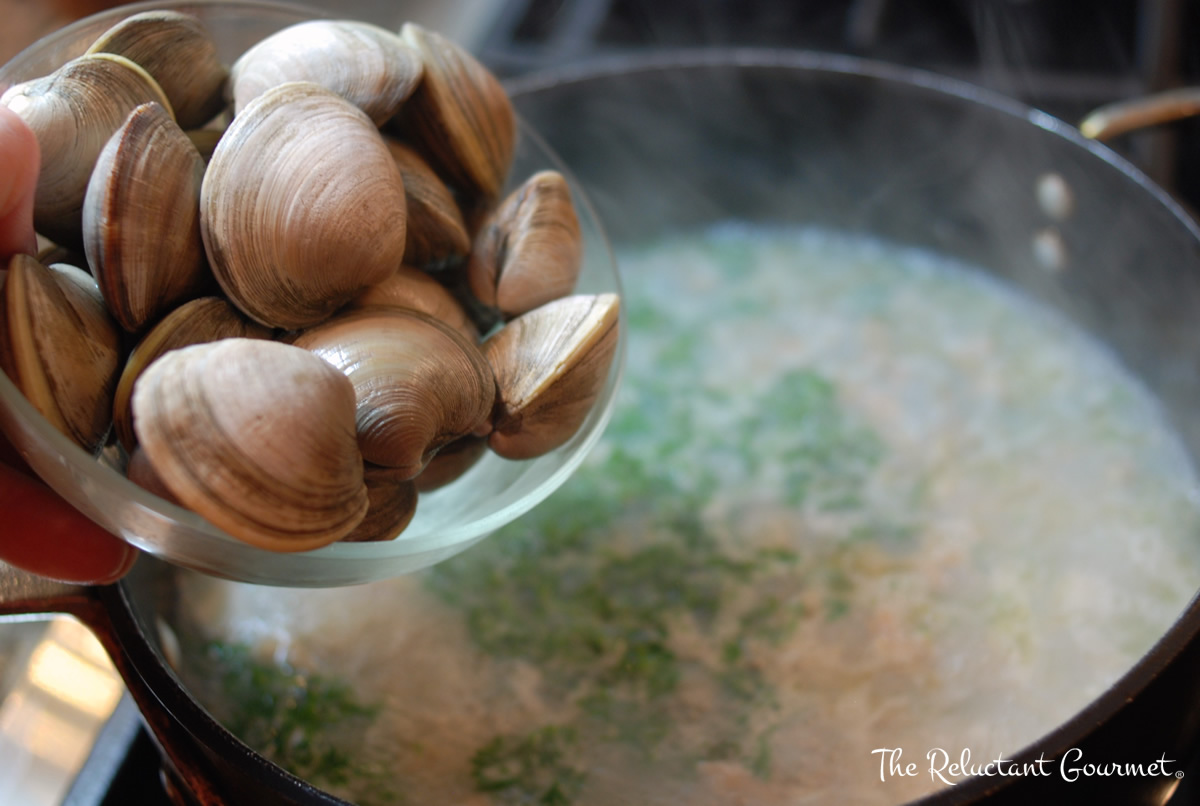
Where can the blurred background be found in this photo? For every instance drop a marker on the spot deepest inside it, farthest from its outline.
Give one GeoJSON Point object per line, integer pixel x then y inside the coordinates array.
{"type": "Point", "coordinates": [465, 20]}
{"type": "Point", "coordinates": [1061, 56]}
{"type": "Point", "coordinates": [67, 735]}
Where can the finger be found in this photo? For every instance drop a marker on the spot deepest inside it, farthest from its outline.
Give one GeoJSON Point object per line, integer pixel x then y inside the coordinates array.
{"type": "Point", "coordinates": [9, 456]}
{"type": "Point", "coordinates": [19, 157]}
{"type": "Point", "coordinates": [42, 533]}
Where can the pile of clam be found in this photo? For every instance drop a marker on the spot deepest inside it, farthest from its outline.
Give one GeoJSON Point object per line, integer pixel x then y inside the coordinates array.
{"type": "Point", "coordinates": [290, 290]}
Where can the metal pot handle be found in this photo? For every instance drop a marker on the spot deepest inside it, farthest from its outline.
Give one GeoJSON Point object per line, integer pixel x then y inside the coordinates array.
{"type": "Point", "coordinates": [1112, 120]}
{"type": "Point", "coordinates": [25, 594]}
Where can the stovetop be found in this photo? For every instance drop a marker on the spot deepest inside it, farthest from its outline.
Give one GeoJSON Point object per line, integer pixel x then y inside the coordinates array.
{"type": "Point", "coordinates": [1062, 56]}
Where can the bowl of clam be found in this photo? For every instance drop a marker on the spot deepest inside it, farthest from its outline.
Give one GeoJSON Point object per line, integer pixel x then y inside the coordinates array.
{"type": "Point", "coordinates": [313, 306]}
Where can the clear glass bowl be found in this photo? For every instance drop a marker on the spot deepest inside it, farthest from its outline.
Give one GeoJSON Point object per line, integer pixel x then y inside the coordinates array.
{"type": "Point", "coordinates": [494, 492]}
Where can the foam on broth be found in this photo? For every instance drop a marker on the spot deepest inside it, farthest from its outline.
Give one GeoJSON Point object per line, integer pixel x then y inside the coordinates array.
{"type": "Point", "coordinates": [856, 497]}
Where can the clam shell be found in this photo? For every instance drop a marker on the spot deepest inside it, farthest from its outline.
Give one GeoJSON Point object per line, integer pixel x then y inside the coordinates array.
{"type": "Point", "coordinates": [74, 111]}
{"type": "Point", "coordinates": [50, 253]}
{"type": "Point", "coordinates": [302, 206]}
{"type": "Point", "coordinates": [451, 462]}
{"type": "Point", "coordinates": [142, 473]}
{"type": "Point", "coordinates": [459, 117]}
{"type": "Point", "coordinates": [436, 232]}
{"type": "Point", "coordinates": [393, 503]}
{"type": "Point", "coordinates": [179, 53]}
{"type": "Point", "coordinates": [258, 438]}
{"type": "Point", "coordinates": [414, 289]}
{"type": "Point", "coordinates": [369, 66]}
{"type": "Point", "coordinates": [530, 250]}
{"type": "Point", "coordinates": [205, 141]}
{"type": "Point", "coordinates": [550, 365]}
{"type": "Point", "coordinates": [199, 321]}
{"type": "Point", "coordinates": [419, 384]}
{"type": "Point", "coordinates": [141, 219]}
{"type": "Point", "coordinates": [60, 347]}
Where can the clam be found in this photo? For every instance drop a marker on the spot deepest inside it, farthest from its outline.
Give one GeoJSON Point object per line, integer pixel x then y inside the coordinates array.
{"type": "Point", "coordinates": [258, 438]}
{"type": "Point", "coordinates": [205, 141]}
{"type": "Point", "coordinates": [369, 66]}
{"type": "Point", "coordinates": [302, 206]}
{"type": "Point", "coordinates": [451, 462]}
{"type": "Point", "coordinates": [180, 54]}
{"type": "Point", "coordinates": [419, 384]}
{"type": "Point", "coordinates": [393, 502]}
{"type": "Point", "coordinates": [550, 365]}
{"type": "Point", "coordinates": [199, 321]}
{"type": "Point", "coordinates": [50, 253]}
{"type": "Point", "coordinates": [414, 289]}
{"type": "Point", "coordinates": [142, 473]}
{"type": "Point", "coordinates": [73, 112]}
{"type": "Point", "coordinates": [141, 219]}
{"type": "Point", "coordinates": [60, 347]}
{"type": "Point", "coordinates": [459, 117]}
{"type": "Point", "coordinates": [310, 221]}
{"type": "Point", "coordinates": [530, 249]}
{"type": "Point", "coordinates": [436, 232]}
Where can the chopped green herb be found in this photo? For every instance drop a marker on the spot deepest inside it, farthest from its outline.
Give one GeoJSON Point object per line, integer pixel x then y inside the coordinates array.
{"type": "Point", "coordinates": [302, 722]}
{"type": "Point", "coordinates": [836, 608]}
{"type": "Point", "coordinates": [648, 665]}
{"type": "Point", "coordinates": [827, 455]}
{"type": "Point", "coordinates": [742, 681]}
{"type": "Point", "coordinates": [678, 350]}
{"type": "Point", "coordinates": [760, 763]}
{"type": "Point", "coordinates": [538, 768]}
{"type": "Point", "coordinates": [884, 532]}
{"type": "Point", "coordinates": [615, 716]}
{"type": "Point", "coordinates": [591, 586]}
{"type": "Point", "coordinates": [644, 316]}
{"type": "Point", "coordinates": [631, 422]}
{"type": "Point", "coordinates": [772, 619]}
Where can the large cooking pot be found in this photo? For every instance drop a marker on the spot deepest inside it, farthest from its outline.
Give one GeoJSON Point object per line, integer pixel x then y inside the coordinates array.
{"type": "Point", "coordinates": [676, 141]}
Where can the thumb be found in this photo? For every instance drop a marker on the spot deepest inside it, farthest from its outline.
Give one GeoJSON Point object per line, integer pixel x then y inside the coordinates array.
{"type": "Point", "coordinates": [19, 159]}
{"type": "Point", "coordinates": [39, 531]}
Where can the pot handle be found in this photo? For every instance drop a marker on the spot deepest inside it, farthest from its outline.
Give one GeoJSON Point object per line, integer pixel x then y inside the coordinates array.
{"type": "Point", "coordinates": [26, 594]}
{"type": "Point", "coordinates": [1111, 120]}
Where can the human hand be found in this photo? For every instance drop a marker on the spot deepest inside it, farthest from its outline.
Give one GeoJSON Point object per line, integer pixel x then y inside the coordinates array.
{"type": "Point", "coordinates": [38, 530]}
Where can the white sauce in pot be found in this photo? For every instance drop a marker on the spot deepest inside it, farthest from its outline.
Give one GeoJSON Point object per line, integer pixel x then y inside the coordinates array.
{"type": "Point", "coordinates": [856, 497]}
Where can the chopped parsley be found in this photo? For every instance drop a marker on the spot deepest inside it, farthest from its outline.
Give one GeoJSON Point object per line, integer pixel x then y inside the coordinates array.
{"type": "Point", "coordinates": [305, 723]}
{"type": "Point", "coordinates": [592, 586]}
{"type": "Point", "coordinates": [828, 457]}
{"type": "Point", "coordinates": [538, 769]}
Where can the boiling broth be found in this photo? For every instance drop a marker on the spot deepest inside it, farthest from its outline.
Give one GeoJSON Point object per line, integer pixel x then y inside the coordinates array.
{"type": "Point", "coordinates": [856, 497]}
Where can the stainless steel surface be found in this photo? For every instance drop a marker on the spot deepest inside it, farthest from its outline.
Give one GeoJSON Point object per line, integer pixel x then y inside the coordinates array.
{"type": "Point", "coordinates": [58, 696]}
{"type": "Point", "coordinates": [21, 592]}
